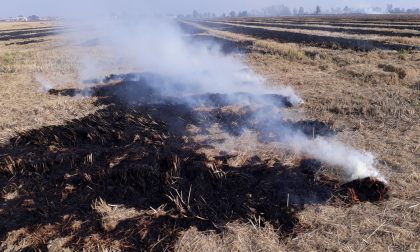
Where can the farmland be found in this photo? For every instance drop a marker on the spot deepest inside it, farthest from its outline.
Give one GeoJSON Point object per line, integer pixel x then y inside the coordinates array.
{"type": "Point", "coordinates": [107, 171]}
{"type": "Point", "coordinates": [327, 32]}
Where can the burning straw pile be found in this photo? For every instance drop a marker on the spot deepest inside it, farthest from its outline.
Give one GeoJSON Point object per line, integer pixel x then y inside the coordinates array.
{"type": "Point", "coordinates": [367, 189]}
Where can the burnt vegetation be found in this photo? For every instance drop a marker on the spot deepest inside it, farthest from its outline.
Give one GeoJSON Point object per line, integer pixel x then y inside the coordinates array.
{"type": "Point", "coordinates": [307, 39]}
{"type": "Point", "coordinates": [137, 154]}
{"type": "Point", "coordinates": [360, 33]}
{"type": "Point", "coordinates": [29, 34]}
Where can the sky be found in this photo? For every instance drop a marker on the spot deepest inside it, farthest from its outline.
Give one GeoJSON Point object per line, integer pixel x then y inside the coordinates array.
{"type": "Point", "coordinates": [10, 8]}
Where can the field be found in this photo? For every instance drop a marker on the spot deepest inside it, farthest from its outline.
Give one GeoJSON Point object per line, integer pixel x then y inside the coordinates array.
{"type": "Point", "coordinates": [106, 172]}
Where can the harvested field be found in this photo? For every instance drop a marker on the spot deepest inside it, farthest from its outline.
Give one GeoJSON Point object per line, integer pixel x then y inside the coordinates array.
{"type": "Point", "coordinates": [367, 25]}
{"type": "Point", "coordinates": [326, 27]}
{"type": "Point", "coordinates": [367, 34]}
{"type": "Point", "coordinates": [317, 37]}
{"type": "Point", "coordinates": [100, 165]}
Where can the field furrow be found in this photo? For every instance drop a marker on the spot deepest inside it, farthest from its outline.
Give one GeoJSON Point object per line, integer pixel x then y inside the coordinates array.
{"type": "Point", "coordinates": [331, 28]}
{"type": "Point", "coordinates": [319, 38]}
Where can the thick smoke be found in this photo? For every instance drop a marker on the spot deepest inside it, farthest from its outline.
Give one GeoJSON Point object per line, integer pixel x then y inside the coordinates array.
{"type": "Point", "coordinates": [189, 67]}
{"type": "Point", "coordinates": [356, 164]}
{"type": "Point", "coordinates": [159, 46]}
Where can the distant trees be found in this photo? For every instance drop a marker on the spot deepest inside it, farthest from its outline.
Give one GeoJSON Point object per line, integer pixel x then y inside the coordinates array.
{"type": "Point", "coordinates": [336, 10]}
{"type": "Point", "coordinates": [377, 10]}
{"type": "Point", "coordinates": [196, 14]}
{"type": "Point", "coordinates": [301, 11]}
{"type": "Point", "coordinates": [346, 9]}
{"type": "Point", "coordinates": [276, 10]}
{"type": "Point", "coordinates": [283, 10]}
{"type": "Point", "coordinates": [318, 10]}
{"type": "Point", "coordinates": [34, 18]}
{"type": "Point", "coordinates": [243, 14]}
{"type": "Point", "coordinates": [391, 9]}
{"type": "Point", "coordinates": [417, 10]}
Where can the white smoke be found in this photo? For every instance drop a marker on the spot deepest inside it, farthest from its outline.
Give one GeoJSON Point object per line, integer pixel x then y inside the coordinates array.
{"type": "Point", "coordinates": [159, 46]}
{"type": "Point", "coordinates": [44, 83]}
{"type": "Point", "coordinates": [355, 163]}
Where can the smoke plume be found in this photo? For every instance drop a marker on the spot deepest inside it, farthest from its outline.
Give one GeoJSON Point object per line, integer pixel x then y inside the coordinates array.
{"type": "Point", "coordinates": [189, 67]}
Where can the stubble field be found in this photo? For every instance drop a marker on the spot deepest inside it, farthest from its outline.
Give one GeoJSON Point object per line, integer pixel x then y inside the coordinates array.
{"type": "Point", "coordinates": [104, 172]}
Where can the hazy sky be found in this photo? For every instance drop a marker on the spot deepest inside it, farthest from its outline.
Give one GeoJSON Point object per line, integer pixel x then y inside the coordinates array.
{"type": "Point", "coordinates": [69, 7]}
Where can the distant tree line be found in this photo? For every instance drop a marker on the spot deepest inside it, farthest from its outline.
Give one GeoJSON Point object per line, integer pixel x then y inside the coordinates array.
{"type": "Point", "coordinates": [22, 18]}
{"type": "Point", "coordinates": [283, 10]}
{"type": "Point", "coordinates": [391, 9]}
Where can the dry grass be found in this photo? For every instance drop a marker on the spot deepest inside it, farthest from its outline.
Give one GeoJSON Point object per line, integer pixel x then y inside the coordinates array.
{"type": "Point", "coordinates": [406, 74]}
{"type": "Point", "coordinates": [113, 214]}
{"type": "Point", "coordinates": [236, 237]}
{"type": "Point", "coordinates": [391, 228]}
{"type": "Point", "coordinates": [27, 71]}
{"type": "Point", "coordinates": [24, 104]}
{"type": "Point", "coordinates": [21, 239]}
{"type": "Point", "coordinates": [24, 25]}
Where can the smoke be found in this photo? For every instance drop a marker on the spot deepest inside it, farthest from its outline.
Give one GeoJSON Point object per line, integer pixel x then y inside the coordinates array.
{"type": "Point", "coordinates": [159, 46]}
{"type": "Point", "coordinates": [44, 84]}
{"type": "Point", "coordinates": [189, 68]}
{"type": "Point", "coordinates": [356, 164]}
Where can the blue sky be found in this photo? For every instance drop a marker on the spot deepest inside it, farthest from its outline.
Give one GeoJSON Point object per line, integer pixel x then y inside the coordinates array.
{"type": "Point", "coordinates": [71, 7]}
